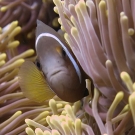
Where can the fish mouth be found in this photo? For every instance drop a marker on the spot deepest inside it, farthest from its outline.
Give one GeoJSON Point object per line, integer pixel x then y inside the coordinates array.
{"type": "Point", "coordinates": [54, 75]}
{"type": "Point", "coordinates": [56, 72]}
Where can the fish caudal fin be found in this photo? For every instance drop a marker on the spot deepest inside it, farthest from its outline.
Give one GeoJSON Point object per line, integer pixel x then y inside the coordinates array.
{"type": "Point", "coordinates": [33, 83]}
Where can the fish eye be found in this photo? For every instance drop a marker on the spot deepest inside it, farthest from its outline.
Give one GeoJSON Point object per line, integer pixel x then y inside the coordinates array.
{"type": "Point", "coordinates": [63, 53]}
{"type": "Point", "coordinates": [37, 63]}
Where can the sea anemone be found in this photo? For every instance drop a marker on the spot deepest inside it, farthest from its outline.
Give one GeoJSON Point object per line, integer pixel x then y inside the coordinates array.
{"type": "Point", "coordinates": [10, 61]}
{"type": "Point", "coordinates": [72, 120]}
{"type": "Point", "coordinates": [26, 12]}
{"type": "Point", "coordinates": [101, 35]}
{"type": "Point", "coordinates": [14, 50]}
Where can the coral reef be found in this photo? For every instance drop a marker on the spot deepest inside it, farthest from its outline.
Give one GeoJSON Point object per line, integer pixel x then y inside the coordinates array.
{"type": "Point", "coordinates": [101, 35]}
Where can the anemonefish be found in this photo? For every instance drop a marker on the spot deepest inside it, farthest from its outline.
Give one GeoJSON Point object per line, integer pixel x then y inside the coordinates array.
{"type": "Point", "coordinates": [55, 72]}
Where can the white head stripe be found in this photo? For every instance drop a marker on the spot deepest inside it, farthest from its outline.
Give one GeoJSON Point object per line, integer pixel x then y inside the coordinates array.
{"type": "Point", "coordinates": [66, 50]}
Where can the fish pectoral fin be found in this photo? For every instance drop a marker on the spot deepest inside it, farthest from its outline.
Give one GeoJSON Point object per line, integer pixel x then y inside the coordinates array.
{"type": "Point", "coordinates": [33, 83]}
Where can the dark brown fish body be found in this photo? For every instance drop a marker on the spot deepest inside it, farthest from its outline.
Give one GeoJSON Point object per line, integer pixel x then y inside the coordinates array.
{"type": "Point", "coordinates": [56, 70]}
{"type": "Point", "coordinates": [59, 70]}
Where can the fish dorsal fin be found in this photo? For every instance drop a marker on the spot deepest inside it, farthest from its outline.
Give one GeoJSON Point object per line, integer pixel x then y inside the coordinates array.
{"type": "Point", "coordinates": [33, 83]}
{"type": "Point", "coordinates": [43, 28]}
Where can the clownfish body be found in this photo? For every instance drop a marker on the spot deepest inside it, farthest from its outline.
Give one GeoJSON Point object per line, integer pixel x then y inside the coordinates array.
{"type": "Point", "coordinates": [55, 70]}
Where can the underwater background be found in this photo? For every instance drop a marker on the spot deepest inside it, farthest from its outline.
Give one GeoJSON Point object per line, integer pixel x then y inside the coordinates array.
{"type": "Point", "coordinates": [101, 36]}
